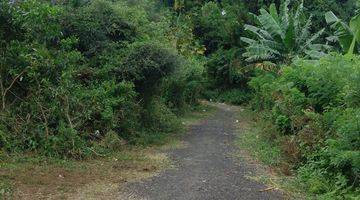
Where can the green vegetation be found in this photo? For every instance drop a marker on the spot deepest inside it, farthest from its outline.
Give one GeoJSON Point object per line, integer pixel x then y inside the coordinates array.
{"type": "Point", "coordinates": [311, 107]}
{"type": "Point", "coordinates": [257, 146]}
{"type": "Point", "coordinates": [29, 176]}
{"type": "Point", "coordinates": [253, 139]}
{"type": "Point", "coordinates": [84, 79]}
{"type": "Point", "coordinates": [73, 74]}
{"type": "Point", "coordinates": [314, 108]}
{"type": "Point", "coordinates": [347, 35]}
{"type": "Point", "coordinates": [282, 35]}
{"type": "Point", "coordinates": [287, 66]}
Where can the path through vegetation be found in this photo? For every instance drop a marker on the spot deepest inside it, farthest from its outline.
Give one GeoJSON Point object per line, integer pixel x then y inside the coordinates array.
{"type": "Point", "coordinates": [204, 168]}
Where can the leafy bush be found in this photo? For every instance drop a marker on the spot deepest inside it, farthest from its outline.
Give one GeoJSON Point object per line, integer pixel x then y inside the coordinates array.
{"type": "Point", "coordinates": [262, 85]}
{"type": "Point", "coordinates": [234, 96]}
{"type": "Point", "coordinates": [72, 77]}
{"type": "Point", "coordinates": [185, 86]}
{"type": "Point", "coordinates": [312, 103]}
{"type": "Point", "coordinates": [219, 27]}
{"type": "Point", "coordinates": [98, 25]}
{"type": "Point", "coordinates": [226, 70]}
{"type": "Point", "coordinates": [112, 141]}
{"type": "Point", "coordinates": [146, 65]}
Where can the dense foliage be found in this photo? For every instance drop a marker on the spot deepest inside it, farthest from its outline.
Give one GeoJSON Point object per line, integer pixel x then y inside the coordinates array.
{"type": "Point", "coordinates": [81, 78]}
{"type": "Point", "coordinates": [347, 35]}
{"type": "Point", "coordinates": [315, 108]}
{"type": "Point", "coordinates": [219, 26]}
{"type": "Point", "coordinates": [73, 75]}
{"type": "Point", "coordinates": [282, 35]}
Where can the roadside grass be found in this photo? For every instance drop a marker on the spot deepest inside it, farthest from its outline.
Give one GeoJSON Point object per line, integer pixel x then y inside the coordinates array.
{"type": "Point", "coordinates": [35, 177]}
{"type": "Point", "coordinates": [31, 177]}
{"type": "Point", "coordinates": [264, 155]}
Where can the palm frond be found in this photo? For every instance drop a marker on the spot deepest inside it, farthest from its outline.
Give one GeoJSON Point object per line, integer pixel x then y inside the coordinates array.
{"type": "Point", "coordinates": [259, 51]}
{"type": "Point", "coordinates": [299, 11]}
{"type": "Point", "coordinates": [342, 30]}
{"type": "Point", "coordinates": [297, 17]}
{"type": "Point", "coordinates": [274, 13]}
{"type": "Point", "coordinates": [272, 44]}
{"type": "Point", "coordinates": [266, 34]}
{"type": "Point", "coordinates": [305, 32]}
{"type": "Point", "coordinates": [313, 38]}
{"type": "Point", "coordinates": [282, 35]}
{"type": "Point", "coordinates": [331, 18]}
{"type": "Point", "coordinates": [290, 39]}
{"type": "Point", "coordinates": [285, 14]}
{"type": "Point", "coordinates": [355, 29]}
{"type": "Point", "coordinates": [247, 40]}
{"type": "Point", "coordinates": [260, 33]}
{"type": "Point", "coordinates": [270, 24]}
{"type": "Point", "coordinates": [253, 29]}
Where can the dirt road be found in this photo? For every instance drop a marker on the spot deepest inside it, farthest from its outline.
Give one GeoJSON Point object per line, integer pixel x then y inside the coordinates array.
{"type": "Point", "coordinates": [204, 168]}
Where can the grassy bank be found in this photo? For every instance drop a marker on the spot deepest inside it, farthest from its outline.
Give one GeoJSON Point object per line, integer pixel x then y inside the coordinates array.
{"type": "Point", "coordinates": [265, 156]}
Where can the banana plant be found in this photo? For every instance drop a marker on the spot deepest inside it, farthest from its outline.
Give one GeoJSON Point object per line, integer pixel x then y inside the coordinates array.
{"type": "Point", "coordinates": [282, 35]}
{"type": "Point", "coordinates": [347, 35]}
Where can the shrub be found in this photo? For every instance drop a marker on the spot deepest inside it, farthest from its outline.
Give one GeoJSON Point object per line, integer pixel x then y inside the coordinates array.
{"type": "Point", "coordinates": [159, 122]}
{"type": "Point", "coordinates": [225, 70]}
{"type": "Point", "coordinates": [262, 86]}
{"type": "Point", "coordinates": [146, 65]}
{"type": "Point", "coordinates": [219, 26]}
{"type": "Point", "coordinates": [185, 86]}
{"type": "Point", "coordinates": [234, 96]}
{"type": "Point", "coordinates": [344, 148]}
{"type": "Point", "coordinates": [112, 141]}
{"type": "Point", "coordinates": [73, 77]}
{"type": "Point", "coordinates": [314, 104]}
{"type": "Point", "coordinates": [97, 25]}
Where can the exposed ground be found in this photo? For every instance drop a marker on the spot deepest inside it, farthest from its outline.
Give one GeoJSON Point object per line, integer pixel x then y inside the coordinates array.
{"type": "Point", "coordinates": [205, 167]}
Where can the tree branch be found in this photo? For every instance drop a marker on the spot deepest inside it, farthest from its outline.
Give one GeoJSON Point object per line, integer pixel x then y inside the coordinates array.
{"type": "Point", "coordinates": [4, 92]}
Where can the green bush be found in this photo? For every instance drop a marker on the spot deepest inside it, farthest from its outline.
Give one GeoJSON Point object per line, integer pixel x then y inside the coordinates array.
{"type": "Point", "coordinates": [219, 26]}
{"type": "Point", "coordinates": [72, 74]}
{"type": "Point", "coordinates": [146, 65]}
{"type": "Point", "coordinates": [111, 141]}
{"type": "Point", "coordinates": [159, 123]}
{"type": "Point", "coordinates": [262, 85]}
{"type": "Point", "coordinates": [225, 70]}
{"type": "Point", "coordinates": [98, 25]}
{"type": "Point", "coordinates": [185, 86]}
{"type": "Point", "coordinates": [344, 148]}
{"type": "Point", "coordinates": [315, 104]}
{"type": "Point", "coordinates": [234, 96]}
